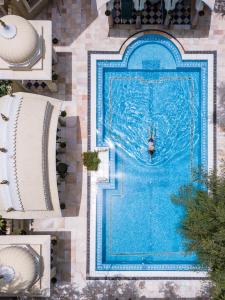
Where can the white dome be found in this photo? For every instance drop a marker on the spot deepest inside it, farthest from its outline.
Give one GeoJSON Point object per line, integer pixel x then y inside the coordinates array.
{"type": "Point", "coordinates": [23, 45]}
{"type": "Point", "coordinates": [19, 268]}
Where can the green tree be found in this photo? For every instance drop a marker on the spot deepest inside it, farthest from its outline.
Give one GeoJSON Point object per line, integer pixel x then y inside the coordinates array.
{"type": "Point", "coordinates": [203, 224]}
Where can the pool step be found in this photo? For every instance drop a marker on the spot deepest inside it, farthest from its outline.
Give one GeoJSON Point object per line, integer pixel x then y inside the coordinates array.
{"type": "Point", "coordinates": [102, 174]}
{"type": "Point", "coordinates": [109, 169]}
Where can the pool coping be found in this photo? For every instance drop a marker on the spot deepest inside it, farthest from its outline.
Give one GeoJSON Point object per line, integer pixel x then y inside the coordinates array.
{"type": "Point", "coordinates": [134, 275]}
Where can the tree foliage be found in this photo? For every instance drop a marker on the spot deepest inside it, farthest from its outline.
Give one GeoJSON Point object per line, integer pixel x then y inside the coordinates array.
{"type": "Point", "coordinates": [91, 160]}
{"type": "Point", "coordinates": [5, 85]}
{"type": "Point", "coordinates": [2, 226]}
{"type": "Point", "coordinates": [97, 290]}
{"type": "Point", "coordinates": [204, 224]}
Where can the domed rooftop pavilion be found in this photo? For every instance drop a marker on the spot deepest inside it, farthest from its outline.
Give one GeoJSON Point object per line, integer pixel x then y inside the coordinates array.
{"type": "Point", "coordinates": [19, 40]}
{"type": "Point", "coordinates": [25, 263]}
{"type": "Point", "coordinates": [26, 48]}
{"type": "Point", "coordinates": [19, 268]}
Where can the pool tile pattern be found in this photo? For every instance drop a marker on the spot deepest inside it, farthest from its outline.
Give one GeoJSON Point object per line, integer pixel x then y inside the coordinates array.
{"type": "Point", "coordinates": [101, 65]}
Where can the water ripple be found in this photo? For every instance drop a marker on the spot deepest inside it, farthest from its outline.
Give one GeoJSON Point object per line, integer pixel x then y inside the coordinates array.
{"type": "Point", "coordinates": [134, 106]}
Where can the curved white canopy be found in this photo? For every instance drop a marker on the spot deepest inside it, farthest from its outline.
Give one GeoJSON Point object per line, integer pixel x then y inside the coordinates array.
{"type": "Point", "coordinates": [29, 165]}
{"type": "Point", "coordinates": [210, 3]}
{"type": "Point", "coordinates": [100, 3]}
{"type": "Point", "coordinates": [170, 4]}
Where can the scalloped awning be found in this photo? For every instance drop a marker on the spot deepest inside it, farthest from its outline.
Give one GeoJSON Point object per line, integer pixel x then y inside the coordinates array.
{"type": "Point", "coordinates": [100, 3]}
{"type": "Point", "coordinates": [29, 165]}
{"type": "Point", "coordinates": [210, 3]}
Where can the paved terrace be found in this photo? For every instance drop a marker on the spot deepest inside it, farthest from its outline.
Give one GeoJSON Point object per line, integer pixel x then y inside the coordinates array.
{"type": "Point", "coordinates": [79, 28]}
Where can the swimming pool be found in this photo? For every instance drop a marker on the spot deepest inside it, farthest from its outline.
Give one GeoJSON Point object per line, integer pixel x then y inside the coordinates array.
{"type": "Point", "coordinates": [151, 87]}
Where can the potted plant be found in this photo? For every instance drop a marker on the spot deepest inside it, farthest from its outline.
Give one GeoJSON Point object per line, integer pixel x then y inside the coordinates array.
{"type": "Point", "coordinates": [91, 160]}
{"type": "Point", "coordinates": [62, 145]}
{"type": "Point", "coordinates": [54, 76]}
{"type": "Point", "coordinates": [62, 205]}
{"type": "Point", "coordinates": [107, 13]}
{"type": "Point", "coordinates": [63, 114]}
{"type": "Point", "coordinates": [2, 226]}
{"type": "Point", "coordinates": [55, 41]}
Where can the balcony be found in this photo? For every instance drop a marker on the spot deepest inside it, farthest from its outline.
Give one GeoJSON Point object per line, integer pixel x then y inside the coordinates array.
{"type": "Point", "coordinates": [183, 14]}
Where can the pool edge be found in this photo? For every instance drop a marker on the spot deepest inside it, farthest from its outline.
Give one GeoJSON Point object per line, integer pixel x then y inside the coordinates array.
{"type": "Point", "coordinates": [90, 274]}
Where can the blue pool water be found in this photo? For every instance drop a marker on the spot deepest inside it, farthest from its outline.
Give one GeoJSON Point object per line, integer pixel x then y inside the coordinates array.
{"type": "Point", "coordinates": [137, 224]}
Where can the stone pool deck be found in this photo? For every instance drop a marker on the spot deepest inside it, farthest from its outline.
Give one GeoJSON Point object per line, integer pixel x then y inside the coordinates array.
{"type": "Point", "coordinates": [79, 28]}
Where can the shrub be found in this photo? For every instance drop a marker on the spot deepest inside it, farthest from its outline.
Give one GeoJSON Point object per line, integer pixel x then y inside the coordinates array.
{"type": "Point", "coordinates": [91, 160]}
{"type": "Point", "coordinates": [54, 76]}
{"type": "Point", "coordinates": [2, 226]}
{"type": "Point", "coordinates": [4, 87]}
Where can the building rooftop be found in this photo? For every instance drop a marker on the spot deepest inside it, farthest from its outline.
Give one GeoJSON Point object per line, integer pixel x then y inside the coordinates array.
{"type": "Point", "coordinates": [20, 42]}
{"type": "Point", "coordinates": [25, 265]}
{"type": "Point", "coordinates": [29, 165]}
{"type": "Point", "coordinates": [27, 54]}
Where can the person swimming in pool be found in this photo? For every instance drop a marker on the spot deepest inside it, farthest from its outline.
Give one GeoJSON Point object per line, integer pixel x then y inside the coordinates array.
{"type": "Point", "coordinates": [151, 142]}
